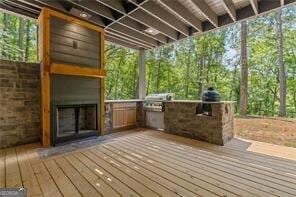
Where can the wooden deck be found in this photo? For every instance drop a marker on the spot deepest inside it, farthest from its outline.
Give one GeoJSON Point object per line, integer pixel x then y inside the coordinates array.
{"type": "Point", "coordinates": [148, 163]}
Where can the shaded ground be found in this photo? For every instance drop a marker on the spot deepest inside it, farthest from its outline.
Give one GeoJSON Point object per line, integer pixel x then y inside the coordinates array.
{"type": "Point", "coordinates": [271, 130]}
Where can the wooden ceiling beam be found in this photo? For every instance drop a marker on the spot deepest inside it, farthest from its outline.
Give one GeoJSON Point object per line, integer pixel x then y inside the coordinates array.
{"type": "Point", "coordinates": [57, 5]}
{"type": "Point", "coordinates": [206, 11]}
{"type": "Point", "coordinates": [32, 3]}
{"type": "Point", "coordinates": [254, 4]}
{"type": "Point", "coordinates": [125, 38]}
{"type": "Point", "coordinates": [229, 7]}
{"type": "Point", "coordinates": [114, 4]}
{"type": "Point", "coordinates": [128, 32]}
{"type": "Point", "coordinates": [141, 17]}
{"type": "Point", "coordinates": [52, 4]}
{"type": "Point", "coordinates": [119, 28]}
{"type": "Point", "coordinates": [282, 2]}
{"type": "Point", "coordinates": [122, 43]}
{"type": "Point", "coordinates": [127, 21]}
{"type": "Point", "coordinates": [22, 6]}
{"type": "Point", "coordinates": [19, 12]}
{"type": "Point", "coordinates": [102, 10]}
{"type": "Point", "coordinates": [183, 13]}
{"type": "Point", "coordinates": [164, 16]}
{"type": "Point", "coordinates": [145, 18]}
{"type": "Point", "coordinates": [95, 7]}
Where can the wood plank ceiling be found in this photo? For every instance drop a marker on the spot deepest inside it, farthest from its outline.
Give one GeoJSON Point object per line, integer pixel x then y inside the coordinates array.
{"type": "Point", "coordinates": [146, 24]}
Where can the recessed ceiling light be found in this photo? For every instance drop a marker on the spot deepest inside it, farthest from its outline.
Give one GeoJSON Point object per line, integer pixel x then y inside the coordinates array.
{"type": "Point", "coordinates": [83, 15]}
{"type": "Point", "coordinates": [152, 31]}
{"type": "Point", "coordinates": [79, 13]}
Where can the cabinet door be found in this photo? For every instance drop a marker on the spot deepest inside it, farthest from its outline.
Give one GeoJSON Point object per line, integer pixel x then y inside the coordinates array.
{"type": "Point", "coordinates": [130, 116]}
{"type": "Point", "coordinates": [118, 118]}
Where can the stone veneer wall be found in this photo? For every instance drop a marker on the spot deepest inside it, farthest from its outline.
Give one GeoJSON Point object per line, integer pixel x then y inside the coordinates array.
{"type": "Point", "coordinates": [19, 103]}
{"type": "Point", "coordinates": [141, 115]}
{"type": "Point", "coordinates": [180, 118]}
{"type": "Point", "coordinates": [108, 118]}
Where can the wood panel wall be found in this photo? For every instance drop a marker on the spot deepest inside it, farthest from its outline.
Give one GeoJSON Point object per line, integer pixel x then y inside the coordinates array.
{"type": "Point", "coordinates": [56, 33]}
{"type": "Point", "coordinates": [63, 35]}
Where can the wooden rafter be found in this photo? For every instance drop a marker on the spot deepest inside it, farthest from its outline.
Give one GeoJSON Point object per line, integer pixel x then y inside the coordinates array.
{"type": "Point", "coordinates": [254, 4]}
{"type": "Point", "coordinates": [229, 7]}
{"type": "Point", "coordinates": [183, 13]}
{"type": "Point", "coordinates": [206, 11]}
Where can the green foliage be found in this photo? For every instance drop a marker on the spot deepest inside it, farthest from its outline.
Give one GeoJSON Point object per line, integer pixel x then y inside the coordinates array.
{"type": "Point", "coordinates": [122, 72]}
{"type": "Point", "coordinates": [18, 38]}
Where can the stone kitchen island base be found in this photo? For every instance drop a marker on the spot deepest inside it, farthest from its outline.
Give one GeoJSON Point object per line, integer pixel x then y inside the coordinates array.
{"type": "Point", "coordinates": [181, 118]}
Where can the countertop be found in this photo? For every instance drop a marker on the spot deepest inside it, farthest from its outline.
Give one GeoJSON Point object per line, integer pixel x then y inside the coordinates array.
{"type": "Point", "coordinates": [198, 101]}
{"type": "Point", "coordinates": [123, 101]}
{"type": "Point", "coordinates": [173, 101]}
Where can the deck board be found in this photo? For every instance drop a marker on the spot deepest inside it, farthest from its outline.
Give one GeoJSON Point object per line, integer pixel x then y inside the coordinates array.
{"type": "Point", "coordinates": [116, 184]}
{"type": "Point", "coordinates": [185, 180]}
{"type": "Point", "coordinates": [115, 171]}
{"type": "Point", "coordinates": [94, 180]}
{"type": "Point", "coordinates": [248, 168]}
{"type": "Point", "coordinates": [266, 185]}
{"type": "Point", "coordinates": [28, 177]}
{"type": "Point", "coordinates": [78, 181]}
{"type": "Point", "coordinates": [130, 171]}
{"type": "Point", "coordinates": [148, 163]}
{"type": "Point", "coordinates": [12, 171]}
{"type": "Point", "coordinates": [62, 181]}
{"type": "Point", "coordinates": [201, 173]}
{"type": "Point", "coordinates": [2, 168]}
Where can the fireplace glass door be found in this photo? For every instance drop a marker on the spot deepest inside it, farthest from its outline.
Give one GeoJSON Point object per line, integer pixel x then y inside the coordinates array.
{"type": "Point", "coordinates": [75, 121]}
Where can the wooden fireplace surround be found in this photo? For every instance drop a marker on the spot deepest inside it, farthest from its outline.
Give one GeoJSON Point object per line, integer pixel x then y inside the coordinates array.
{"type": "Point", "coordinates": [48, 68]}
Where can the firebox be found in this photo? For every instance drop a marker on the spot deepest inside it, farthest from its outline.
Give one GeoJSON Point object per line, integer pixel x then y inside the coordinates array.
{"type": "Point", "coordinates": [75, 108]}
{"type": "Point", "coordinates": [75, 122]}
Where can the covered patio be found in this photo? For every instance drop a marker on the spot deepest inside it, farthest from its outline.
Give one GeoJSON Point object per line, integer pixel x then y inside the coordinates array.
{"type": "Point", "coordinates": [71, 141]}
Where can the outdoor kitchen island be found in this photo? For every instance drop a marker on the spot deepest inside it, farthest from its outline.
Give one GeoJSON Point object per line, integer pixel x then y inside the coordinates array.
{"type": "Point", "coordinates": [181, 117]}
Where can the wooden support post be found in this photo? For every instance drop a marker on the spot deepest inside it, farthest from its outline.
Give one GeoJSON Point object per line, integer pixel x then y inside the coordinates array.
{"type": "Point", "coordinates": [142, 75]}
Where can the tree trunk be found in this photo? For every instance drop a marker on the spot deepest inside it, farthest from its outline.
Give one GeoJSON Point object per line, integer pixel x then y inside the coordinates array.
{"type": "Point", "coordinates": [169, 79]}
{"type": "Point", "coordinates": [294, 90]}
{"type": "Point", "coordinates": [149, 80]}
{"type": "Point", "coordinates": [21, 39]}
{"type": "Point", "coordinates": [187, 75]}
{"type": "Point", "coordinates": [244, 70]}
{"type": "Point", "coordinates": [201, 74]}
{"type": "Point", "coordinates": [5, 29]}
{"type": "Point", "coordinates": [135, 81]}
{"type": "Point", "coordinates": [27, 41]}
{"type": "Point", "coordinates": [158, 72]}
{"type": "Point", "coordinates": [117, 76]}
{"type": "Point", "coordinates": [233, 81]}
{"type": "Point", "coordinates": [282, 70]}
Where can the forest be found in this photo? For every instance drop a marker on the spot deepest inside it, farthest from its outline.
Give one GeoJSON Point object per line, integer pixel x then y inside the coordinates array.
{"type": "Point", "coordinates": [251, 62]}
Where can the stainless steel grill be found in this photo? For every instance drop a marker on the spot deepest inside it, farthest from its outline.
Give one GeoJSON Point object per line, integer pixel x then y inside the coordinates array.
{"type": "Point", "coordinates": [154, 102]}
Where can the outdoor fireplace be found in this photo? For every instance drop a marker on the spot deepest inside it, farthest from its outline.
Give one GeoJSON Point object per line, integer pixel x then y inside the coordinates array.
{"type": "Point", "coordinates": [72, 77]}
{"type": "Point", "coordinates": [74, 122]}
